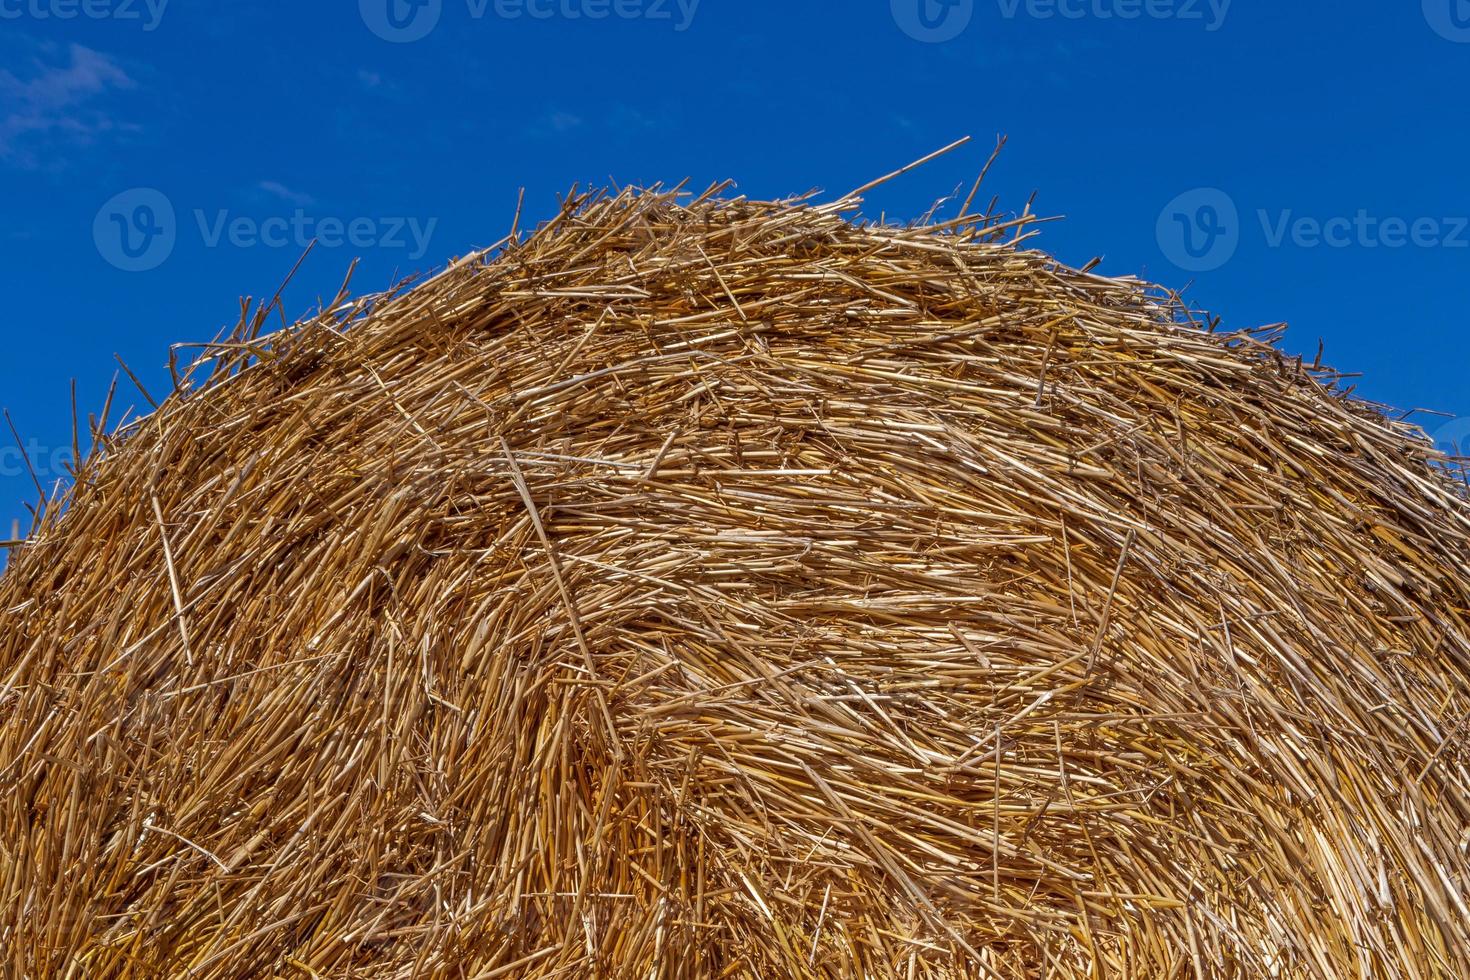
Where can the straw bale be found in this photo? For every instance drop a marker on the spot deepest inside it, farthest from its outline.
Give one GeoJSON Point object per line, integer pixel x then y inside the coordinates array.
{"type": "Point", "coordinates": [700, 587]}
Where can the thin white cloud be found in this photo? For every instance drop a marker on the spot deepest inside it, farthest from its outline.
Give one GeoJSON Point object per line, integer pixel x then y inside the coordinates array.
{"type": "Point", "coordinates": [277, 189]}
{"type": "Point", "coordinates": [553, 123]}
{"type": "Point", "coordinates": [57, 101]}
{"type": "Point", "coordinates": [624, 118]}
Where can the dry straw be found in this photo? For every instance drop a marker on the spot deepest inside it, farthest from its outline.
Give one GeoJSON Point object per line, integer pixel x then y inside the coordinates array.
{"type": "Point", "coordinates": [710, 588]}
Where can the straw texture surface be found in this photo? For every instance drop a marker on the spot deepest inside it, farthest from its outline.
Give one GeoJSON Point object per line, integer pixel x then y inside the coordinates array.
{"type": "Point", "coordinates": [707, 588]}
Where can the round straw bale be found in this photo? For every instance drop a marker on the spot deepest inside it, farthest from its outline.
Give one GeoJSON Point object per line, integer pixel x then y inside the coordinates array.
{"type": "Point", "coordinates": [709, 588]}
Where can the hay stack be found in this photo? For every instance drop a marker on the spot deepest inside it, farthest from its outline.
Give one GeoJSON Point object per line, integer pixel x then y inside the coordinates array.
{"type": "Point", "coordinates": [707, 588]}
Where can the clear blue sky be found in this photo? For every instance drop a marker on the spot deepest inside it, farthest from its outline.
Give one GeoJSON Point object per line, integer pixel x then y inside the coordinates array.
{"type": "Point", "coordinates": [1314, 123]}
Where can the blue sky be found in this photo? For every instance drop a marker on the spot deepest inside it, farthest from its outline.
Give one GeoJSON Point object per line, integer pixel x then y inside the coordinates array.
{"type": "Point", "coordinates": [1300, 161]}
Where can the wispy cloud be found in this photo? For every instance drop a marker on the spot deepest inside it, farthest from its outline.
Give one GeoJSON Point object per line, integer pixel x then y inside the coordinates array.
{"type": "Point", "coordinates": [625, 118]}
{"type": "Point", "coordinates": [556, 122]}
{"type": "Point", "coordinates": [51, 101]}
{"type": "Point", "coordinates": [379, 86]}
{"type": "Point", "coordinates": [617, 121]}
{"type": "Point", "coordinates": [277, 189]}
